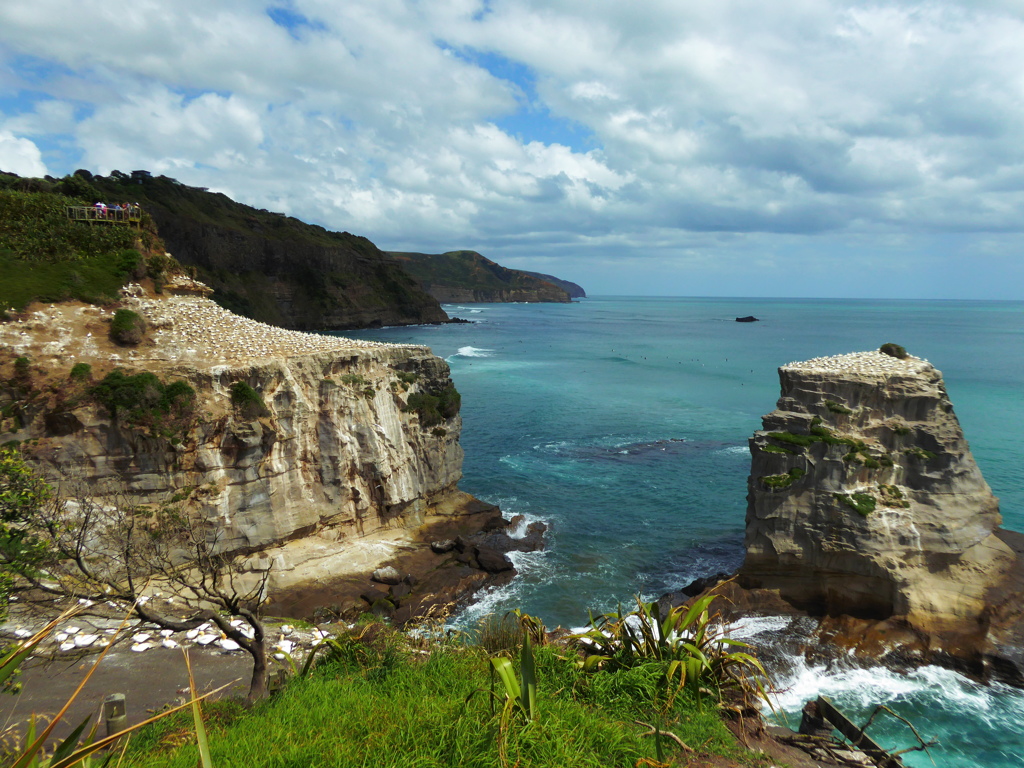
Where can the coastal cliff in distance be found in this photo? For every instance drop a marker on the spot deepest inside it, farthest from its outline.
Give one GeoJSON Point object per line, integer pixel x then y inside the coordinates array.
{"type": "Point", "coordinates": [263, 265]}
{"type": "Point", "coordinates": [467, 277]}
{"type": "Point", "coordinates": [865, 505]}
{"type": "Point", "coordinates": [321, 457]}
{"type": "Point", "coordinates": [574, 290]}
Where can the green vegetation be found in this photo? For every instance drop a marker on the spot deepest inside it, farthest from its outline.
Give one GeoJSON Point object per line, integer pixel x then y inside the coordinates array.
{"type": "Point", "coordinates": [433, 408]}
{"type": "Point", "coordinates": [408, 377]}
{"type": "Point", "coordinates": [893, 350]}
{"type": "Point", "coordinates": [357, 381]}
{"type": "Point", "coordinates": [80, 372]}
{"type": "Point", "coordinates": [22, 493]}
{"type": "Point", "coordinates": [835, 407]}
{"type": "Point", "coordinates": [899, 427]}
{"type": "Point", "coordinates": [127, 328]}
{"type": "Point", "coordinates": [143, 401]}
{"type": "Point", "coordinates": [920, 453]}
{"type": "Point", "coordinates": [858, 453]}
{"type": "Point", "coordinates": [861, 503]}
{"type": "Point", "coordinates": [892, 496]}
{"type": "Point", "coordinates": [469, 271]}
{"type": "Point", "coordinates": [22, 367]}
{"type": "Point", "coordinates": [47, 257]}
{"type": "Point", "coordinates": [769, 448]}
{"type": "Point", "coordinates": [514, 700]}
{"type": "Point", "coordinates": [247, 402]}
{"type": "Point", "coordinates": [778, 482]}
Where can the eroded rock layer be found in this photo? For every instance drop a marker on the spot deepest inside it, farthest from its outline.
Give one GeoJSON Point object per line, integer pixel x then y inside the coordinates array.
{"type": "Point", "coordinates": [331, 475]}
{"type": "Point", "coordinates": [864, 499]}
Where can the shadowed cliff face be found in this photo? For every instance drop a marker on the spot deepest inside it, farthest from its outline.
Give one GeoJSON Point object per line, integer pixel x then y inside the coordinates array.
{"type": "Point", "coordinates": [275, 268]}
{"type": "Point", "coordinates": [864, 498]}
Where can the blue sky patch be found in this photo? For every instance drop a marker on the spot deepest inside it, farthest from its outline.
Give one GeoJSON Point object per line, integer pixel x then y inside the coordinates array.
{"type": "Point", "coordinates": [533, 121]}
{"type": "Point", "coordinates": [293, 21]}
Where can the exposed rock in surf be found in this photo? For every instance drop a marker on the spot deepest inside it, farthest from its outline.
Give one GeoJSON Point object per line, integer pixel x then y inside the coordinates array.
{"type": "Point", "coordinates": [866, 507]}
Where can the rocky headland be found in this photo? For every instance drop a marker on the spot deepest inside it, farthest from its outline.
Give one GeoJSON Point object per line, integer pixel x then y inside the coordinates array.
{"type": "Point", "coordinates": [344, 459]}
{"type": "Point", "coordinates": [867, 511]}
{"type": "Point", "coordinates": [468, 277]}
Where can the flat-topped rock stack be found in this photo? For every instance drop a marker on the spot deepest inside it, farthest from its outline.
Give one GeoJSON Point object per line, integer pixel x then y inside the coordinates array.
{"type": "Point", "coordinates": [864, 501]}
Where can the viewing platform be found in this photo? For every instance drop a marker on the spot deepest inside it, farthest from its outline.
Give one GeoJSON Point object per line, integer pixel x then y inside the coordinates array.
{"type": "Point", "coordinates": [130, 215]}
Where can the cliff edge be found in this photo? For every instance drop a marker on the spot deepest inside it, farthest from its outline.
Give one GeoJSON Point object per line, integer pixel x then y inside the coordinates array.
{"type": "Point", "coordinates": [865, 506]}
{"type": "Point", "coordinates": [322, 457]}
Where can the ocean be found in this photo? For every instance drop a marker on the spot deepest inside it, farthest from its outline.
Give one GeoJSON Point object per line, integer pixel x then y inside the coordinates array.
{"type": "Point", "coordinates": [622, 422]}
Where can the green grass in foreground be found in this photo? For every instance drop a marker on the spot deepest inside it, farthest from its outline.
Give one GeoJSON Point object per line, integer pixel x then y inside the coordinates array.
{"type": "Point", "coordinates": [385, 706]}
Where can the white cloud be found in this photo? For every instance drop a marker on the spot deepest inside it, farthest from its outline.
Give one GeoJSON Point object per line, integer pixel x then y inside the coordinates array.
{"type": "Point", "coordinates": [20, 156]}
{"type": "Point", "coordinates": [522, 126]}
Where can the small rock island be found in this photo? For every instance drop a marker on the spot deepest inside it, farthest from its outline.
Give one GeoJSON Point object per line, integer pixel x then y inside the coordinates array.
{"type": "Point", "coordinates": [866, 508]}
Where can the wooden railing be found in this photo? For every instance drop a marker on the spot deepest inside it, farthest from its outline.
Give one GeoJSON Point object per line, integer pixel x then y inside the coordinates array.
{"type": "Point", "coordinates": [109, 215]}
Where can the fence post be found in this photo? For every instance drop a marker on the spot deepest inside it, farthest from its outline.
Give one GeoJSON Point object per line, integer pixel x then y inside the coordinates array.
{"type": "Point", "coordinates": [115, 713]}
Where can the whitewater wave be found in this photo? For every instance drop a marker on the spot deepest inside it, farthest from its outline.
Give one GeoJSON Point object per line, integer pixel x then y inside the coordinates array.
{"type": "Point", "coordinates": [735, 449]}
{"type": "Point", "coordinates": [533, 568]}
{"type": "Point", "coordinates": [472, 352]}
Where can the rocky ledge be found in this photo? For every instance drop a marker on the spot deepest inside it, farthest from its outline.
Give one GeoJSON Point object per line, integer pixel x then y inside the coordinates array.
{"type": "Point", "coordinates": [867, 510]}
{"type": "Point", "coordinates": [345, 457]}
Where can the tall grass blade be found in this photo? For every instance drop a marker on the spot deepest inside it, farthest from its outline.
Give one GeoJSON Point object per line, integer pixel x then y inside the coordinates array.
{"type": "Point", "coordinates": [203, 742]}
{"type": "Point", "coordinates": [528, 684]}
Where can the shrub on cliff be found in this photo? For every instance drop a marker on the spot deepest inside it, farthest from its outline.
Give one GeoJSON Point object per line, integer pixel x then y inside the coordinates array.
{"type": "Point", "coordinates": [248, 403]}
{"type": "Point", "coordinates": [143, 401]}
{"type": "Point", "coordinates": [893, 350]}
{"type": "Point", "coordinates": [432, 409]}
{"type": "Point", "coordinates": [127, 328]}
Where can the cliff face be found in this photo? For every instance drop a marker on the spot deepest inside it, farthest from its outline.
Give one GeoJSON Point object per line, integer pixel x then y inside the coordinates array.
{"type": "Point", "coordinates": [467, 277]}
{"type": "Point", "coordinates": [339, 455]}
{"type": "Point", "coordinates": [275, 268]}
{"type": "Point", "coordinates": [574, 290]}
{"type": "Point", "coordinates": [864, 498]}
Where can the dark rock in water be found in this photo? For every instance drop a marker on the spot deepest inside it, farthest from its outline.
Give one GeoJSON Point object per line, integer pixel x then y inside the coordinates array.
{"type": "Point", "coordinates": [387, 575]}
{"type": "Point", "coordinates": [493, 561]}
{"type": "Point", "coordinates": [459, 320]}
{"type": "Point", "coordinates": [748, 319]}
{"type": "Point", "coordinates": [441, 546]}
{"type": "Point", "coordinates": [697, 586]}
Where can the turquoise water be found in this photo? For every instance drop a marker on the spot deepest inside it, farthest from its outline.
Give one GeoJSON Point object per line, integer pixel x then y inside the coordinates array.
{"type": "Point", "coordinates": [622, 422]}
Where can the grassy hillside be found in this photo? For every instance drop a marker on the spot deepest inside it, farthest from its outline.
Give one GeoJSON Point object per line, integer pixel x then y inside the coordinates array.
{"type": "Point", "coordinates": [468, 276]}
{"type": "Point", "coordinates": [272, 267]}
{"type": "Point", "coordinates": [377, 700]}
{"type": "Point", "coordinates": [45, 256]}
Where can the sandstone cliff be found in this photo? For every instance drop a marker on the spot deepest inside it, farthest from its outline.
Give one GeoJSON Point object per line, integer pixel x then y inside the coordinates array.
{"type": "Point", "coordinates": [351, 455]}
{"type": "Point", "coordinates": [864, 500]}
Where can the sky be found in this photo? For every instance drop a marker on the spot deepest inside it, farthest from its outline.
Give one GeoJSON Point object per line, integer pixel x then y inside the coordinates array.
{"type": "Point", "coordinates": [813, 148]}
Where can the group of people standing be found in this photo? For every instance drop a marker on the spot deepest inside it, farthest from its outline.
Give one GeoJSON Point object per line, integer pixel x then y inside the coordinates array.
{"type": "Point", "coordinates": [117, 210]}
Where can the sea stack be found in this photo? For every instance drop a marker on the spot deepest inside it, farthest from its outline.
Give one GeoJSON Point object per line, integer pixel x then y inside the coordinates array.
{"type": "Point", "coordinates": [865, 501]}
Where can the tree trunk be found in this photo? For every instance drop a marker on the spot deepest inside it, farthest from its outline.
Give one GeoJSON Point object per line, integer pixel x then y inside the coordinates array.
{"type": "Point", "coordinates": [258, 685]}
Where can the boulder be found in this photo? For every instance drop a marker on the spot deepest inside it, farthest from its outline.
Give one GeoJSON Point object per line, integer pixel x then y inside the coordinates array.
{"type": "Point", "coordinates": [492, 560]}
{"type": "Point", "coordinates": [387, 575]}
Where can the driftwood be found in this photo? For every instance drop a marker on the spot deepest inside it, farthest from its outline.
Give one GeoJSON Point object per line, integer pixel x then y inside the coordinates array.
{"type": "Point", "coordinates": [823, 711]}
